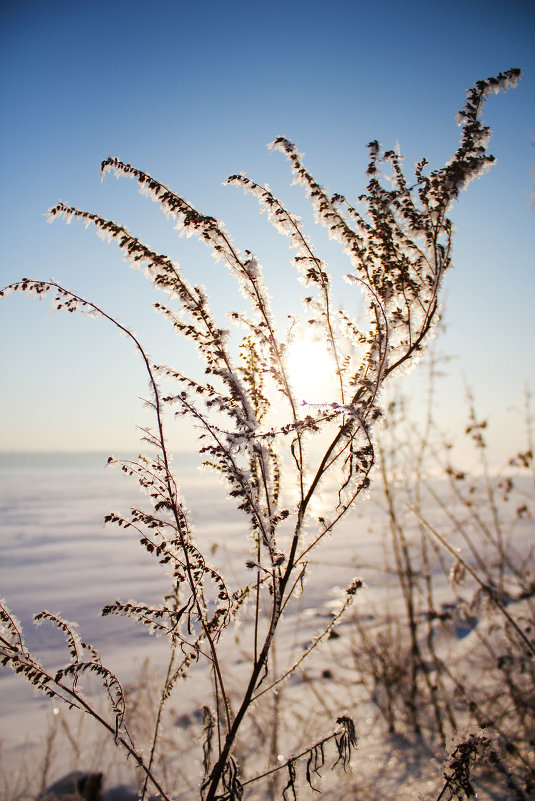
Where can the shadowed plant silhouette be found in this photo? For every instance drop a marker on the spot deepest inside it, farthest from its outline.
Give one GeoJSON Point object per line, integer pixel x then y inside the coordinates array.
{"type": "Point", "coordinates": [398, 242]}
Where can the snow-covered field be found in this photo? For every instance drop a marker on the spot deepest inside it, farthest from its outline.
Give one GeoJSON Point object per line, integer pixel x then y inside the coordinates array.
{"type": "Point", "coordinates": [56, 554]}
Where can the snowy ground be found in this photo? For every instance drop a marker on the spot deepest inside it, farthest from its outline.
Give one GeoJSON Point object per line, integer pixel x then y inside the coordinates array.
{"type": "Point", "coordinates": [55, 554]}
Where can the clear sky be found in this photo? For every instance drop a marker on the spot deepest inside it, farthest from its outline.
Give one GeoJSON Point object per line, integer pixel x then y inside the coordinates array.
{"type": "Point", "coordinates": [193, 92]}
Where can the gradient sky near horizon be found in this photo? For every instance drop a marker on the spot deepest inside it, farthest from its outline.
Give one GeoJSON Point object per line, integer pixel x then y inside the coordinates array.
{"type": "Point", "coordinates": [193, 92]}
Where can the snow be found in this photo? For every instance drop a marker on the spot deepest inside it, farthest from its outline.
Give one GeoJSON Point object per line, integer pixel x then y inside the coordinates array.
{"type": "Point", "coordinates": [56, 554]}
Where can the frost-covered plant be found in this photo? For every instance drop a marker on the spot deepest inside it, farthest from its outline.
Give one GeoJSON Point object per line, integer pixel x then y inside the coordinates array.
{"type": "Point", "coordinates": [397, 238]}
{"type": "Point", "coordinates": [453, 647]}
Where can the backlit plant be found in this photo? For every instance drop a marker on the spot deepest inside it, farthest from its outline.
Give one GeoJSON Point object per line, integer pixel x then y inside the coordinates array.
{"type": "Point", "coordinates": [397, 238]}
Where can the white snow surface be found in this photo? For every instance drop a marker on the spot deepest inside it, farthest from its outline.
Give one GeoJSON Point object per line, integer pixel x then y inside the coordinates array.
{"type": "Point", "coordinates": [56, 554]}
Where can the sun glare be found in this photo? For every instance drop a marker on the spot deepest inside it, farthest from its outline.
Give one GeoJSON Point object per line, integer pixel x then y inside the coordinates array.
{"type": "Point", "coordinates": [311, 370]}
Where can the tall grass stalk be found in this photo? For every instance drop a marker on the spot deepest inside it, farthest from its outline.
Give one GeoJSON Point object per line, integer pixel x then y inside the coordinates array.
{"type": "Point", "coordinates": [397, 239]}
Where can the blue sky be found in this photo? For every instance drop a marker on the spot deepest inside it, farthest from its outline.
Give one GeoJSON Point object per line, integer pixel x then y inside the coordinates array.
{"type": "Point", "coordinates": [192, 93]}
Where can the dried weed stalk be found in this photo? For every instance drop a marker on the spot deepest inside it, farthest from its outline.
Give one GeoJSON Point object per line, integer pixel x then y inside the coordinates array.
{"type": "Point", "coordinates": [398, 242]}
{"type": "Point", "coordinates": [454, 648]}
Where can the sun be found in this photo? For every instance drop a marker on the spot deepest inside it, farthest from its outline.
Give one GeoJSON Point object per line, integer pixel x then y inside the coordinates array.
{"type": "Point", "coordinates": [311, 369]}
